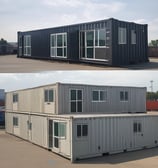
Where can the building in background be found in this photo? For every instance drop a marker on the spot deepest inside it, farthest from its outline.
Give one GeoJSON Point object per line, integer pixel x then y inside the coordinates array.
{"type": "Point", "coordinates": [107, 42]}
{"type": "Point", "coordinates": [7, 47]}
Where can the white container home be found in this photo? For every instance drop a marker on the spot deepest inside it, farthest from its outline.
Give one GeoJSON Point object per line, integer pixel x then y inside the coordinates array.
{"type": "Point", "coordinates": [73, 120]}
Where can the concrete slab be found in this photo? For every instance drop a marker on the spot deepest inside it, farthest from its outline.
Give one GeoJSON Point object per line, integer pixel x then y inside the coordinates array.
{"type": "Point", "coordinates": [17, 153]}
{"type": "Point", "coordinates": [12, 64]}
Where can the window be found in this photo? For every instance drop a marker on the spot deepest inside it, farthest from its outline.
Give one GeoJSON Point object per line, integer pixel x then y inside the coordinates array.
{"type": "Point", "coordinates": [15, 98]}
{"type": "Point", "coordinates": [90, 40]}
{"type": "Point", "coordinates": [20, 46]}
{"type": "Point", "coordinates": [82, 130]}
{"type": "Point", "coordinates": [75, 100]}
{"type": "Point", "coordinates": [29, 125]}
{"type": "Point", "coordinates": [59, 132]}
{"type": "Point", "coordinates": [49, 95]}
{"type": "Point", "coordinates": [137, 127]}
{"type": "Point", "coordinates": [27, 45]}
{"type": "Point", "coordinates": [133, 37]}
{"type": "Point", "coordinates": [122, 35]}
{"type": "Point", "coordinates": [100, 38]}
{"type": "Point", "coordinates": [99, 95]}
{"type": "Point", "coordinates": [15, 121]}
{"type": "Point", "coordinates": [123, 96]}
{"type": "Point", "coordinates": [58, 43]}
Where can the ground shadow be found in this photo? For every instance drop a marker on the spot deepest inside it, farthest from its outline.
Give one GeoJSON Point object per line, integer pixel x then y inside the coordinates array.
{"type": "Point", "coordinates": [122, 157]}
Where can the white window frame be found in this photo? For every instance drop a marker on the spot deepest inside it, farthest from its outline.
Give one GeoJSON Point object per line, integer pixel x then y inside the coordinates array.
{"type": "Point", "coordinates": [75, 101]}
{"type": "Point", "coordinates": [27, 45]}
{"type": "Point", "coordinates": [122, 35]}
{"type": "Point", "coordinates": [15, 97]}
{"type": "Point", "coordinates": [48, 95]}
{"type": "Point", "coordinates": [63, 47]}
{"type": "Point", "coordinates": [17, 121]}
{"type": "Point", "coordinates": [133, 37]}
{"type": "Point", "coordinates": [94, 46]}
{"type": "Point", "coordinates": [20, 45]}
{"type": "Point", "coordinates": [59, 137]}
{"type": "Point", "coordinates": [99, 92]}
{"type": "Point", "coordinates": [124, 93]}
{"type": "Point", "coordinates": [82, 137]}
{"type": "Point", "coordinates": [137, 123]}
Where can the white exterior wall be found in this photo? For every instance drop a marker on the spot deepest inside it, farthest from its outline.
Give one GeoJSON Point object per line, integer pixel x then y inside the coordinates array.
{"type": "Point", "coordinates": [114, 135]}
{"type": "Point", "coordinates": [32, 101]}
{"type": "Point", "coordinates": [39, 131]}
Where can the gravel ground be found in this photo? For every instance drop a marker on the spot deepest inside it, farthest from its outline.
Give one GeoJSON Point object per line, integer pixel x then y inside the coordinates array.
{"type": "Point", "coordinates": [17, 153]}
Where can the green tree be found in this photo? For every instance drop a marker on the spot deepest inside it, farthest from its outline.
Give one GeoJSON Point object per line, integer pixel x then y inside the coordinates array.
{"type": "Point", "coordinates": [153, 43]}
{"type": "Point", "coordinates": [152, 95]}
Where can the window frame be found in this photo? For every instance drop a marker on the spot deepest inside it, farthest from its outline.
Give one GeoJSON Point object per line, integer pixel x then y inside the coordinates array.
{"type": "Point", "coordinates": [56, 47]}
{"type": "Point", "coordinates": [99, 93]}
{"type": "Point", "coordinates": [76, 101]}
{"type": "Point", "coordinates": [20, 45]}
{"type": "Point", "coordinates": [27, 45]}
{"type": "Point", "coordinates": [133, 37]}
{"type": "Point", "coordinates": [137, 127]}
{"type": "Point", "coordinates": [15, 121]}
{"type": "Point", "coordinates": [15, 97]}
{"type": "Point", "coordinates": [83, 39]}
{"type": "Point", "coordinates": [48, 96]}
{"type": "Point", "coordinates": [82, 136]}
{"type": "Point", "coordinates": [122, 35]}
{"type": "Point", "coordinates": [125, 96]}
{"type": "Point", "coordinates": [58, 137]}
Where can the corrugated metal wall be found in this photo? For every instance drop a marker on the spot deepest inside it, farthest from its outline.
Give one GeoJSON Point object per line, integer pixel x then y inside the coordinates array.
{"type": "Point", "coordinates": [124, 54]}
{"type": "Point", "coordinates": [38, 133]}
{"type": "Point", "coordinates": [30, 100]}
{"type": "Point", "coordinates": [136, 102]}
{"type": "Point", "coordinates": [114, 135]}
{"type": "Point", "coordinates": [117, 54]}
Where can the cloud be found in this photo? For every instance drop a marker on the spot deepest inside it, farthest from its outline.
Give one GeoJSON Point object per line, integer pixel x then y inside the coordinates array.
{"type": "Point", "coordinates": [85, 9]}
{"type": "Point", "coordinates": [153, 29]}
{"type": "Point", "coordinates": [115, 78]}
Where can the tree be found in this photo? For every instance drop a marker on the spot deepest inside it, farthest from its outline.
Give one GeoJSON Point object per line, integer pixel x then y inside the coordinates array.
{"type": "Point", "coordinates": [3, 46]}
{"type": "Point", "coordinates": [153, 43]}
{"type": "Point", "coordinates": [152, 95]}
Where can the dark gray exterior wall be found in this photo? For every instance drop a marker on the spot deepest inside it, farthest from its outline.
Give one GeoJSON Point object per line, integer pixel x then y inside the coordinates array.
{"type": "Point", "coordinates": [124, 54]}
{"type": "Point", "coordinates": [115, 54]}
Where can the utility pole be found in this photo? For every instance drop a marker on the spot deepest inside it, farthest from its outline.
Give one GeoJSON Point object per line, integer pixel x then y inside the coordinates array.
{"type": "Point", "coordinates": [151, 86]}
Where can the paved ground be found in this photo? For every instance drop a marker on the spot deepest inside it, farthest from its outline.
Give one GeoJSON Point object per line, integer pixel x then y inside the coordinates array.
{"type": "Point", "coordinates": [17, 153]}
{"type": "Point", "coordinates": [12, 64]}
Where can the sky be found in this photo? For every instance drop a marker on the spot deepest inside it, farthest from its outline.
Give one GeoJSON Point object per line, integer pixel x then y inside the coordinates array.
{"type": "Point", "coordinates": [11, 82]}
{"type": "Point", "coordinates": [23, 15]}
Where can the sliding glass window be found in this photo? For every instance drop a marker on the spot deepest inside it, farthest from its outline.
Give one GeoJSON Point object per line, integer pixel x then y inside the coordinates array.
{"type": "Point", "coordinates": [90, 40]}
{"type": "Point", "coordinates": [58, 43]}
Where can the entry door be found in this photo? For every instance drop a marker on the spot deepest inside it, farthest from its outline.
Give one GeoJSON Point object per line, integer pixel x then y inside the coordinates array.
{"type": "Point", "coordinates": [50, 133]}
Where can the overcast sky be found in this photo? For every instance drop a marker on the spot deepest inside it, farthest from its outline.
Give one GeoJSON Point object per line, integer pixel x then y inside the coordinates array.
{"type": "Point", "coordinates": [22, 15]}
{"type": "Point", "coordinates": [11, 82]}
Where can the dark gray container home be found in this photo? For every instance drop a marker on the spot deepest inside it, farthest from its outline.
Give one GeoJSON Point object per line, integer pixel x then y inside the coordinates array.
{"type": "Point", "coordinates": [109, 42]}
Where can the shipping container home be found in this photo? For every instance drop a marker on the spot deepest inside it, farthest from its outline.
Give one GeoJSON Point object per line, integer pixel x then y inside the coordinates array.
{"type": "Point", "coordinates": [84, 136]}
{"type": "Point", "coordinates": [2, 108]}
{"type": "Point", "coordinates": [107, 42]}
{"type": "Point", "coordinates": [60, 98]}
